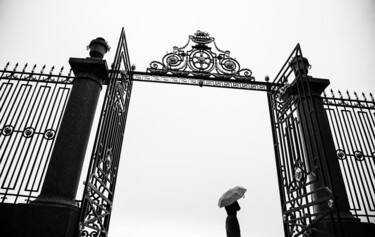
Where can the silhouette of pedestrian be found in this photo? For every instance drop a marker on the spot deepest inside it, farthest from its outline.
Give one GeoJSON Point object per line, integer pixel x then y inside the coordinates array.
{"type": "Point", "coordinates": [231, 224]}
{"type": "Point", "coordinates": [229, 201]}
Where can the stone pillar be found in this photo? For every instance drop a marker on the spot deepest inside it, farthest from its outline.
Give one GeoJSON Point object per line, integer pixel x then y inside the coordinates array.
{"type": "Point", "coordinates": [64, 170]}
{"type": "Point", "coordinates": [320, 147]}
{"type": "Point", "coordinates": [323, 161]}
{"type": "Point", "coordinates": [54, 212]}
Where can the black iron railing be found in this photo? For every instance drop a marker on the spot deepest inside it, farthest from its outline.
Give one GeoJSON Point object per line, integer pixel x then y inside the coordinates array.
{"type": "Point", "coordinates": [352, 121]}
{"type": "Point", "coordinates": [31, 108]}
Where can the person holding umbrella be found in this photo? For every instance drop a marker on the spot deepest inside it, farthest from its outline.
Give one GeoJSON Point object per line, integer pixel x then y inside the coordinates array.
{"type": "Point", "coordinates": [229, 201]}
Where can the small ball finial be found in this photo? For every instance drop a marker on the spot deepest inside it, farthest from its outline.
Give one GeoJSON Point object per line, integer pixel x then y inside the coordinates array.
{"type": "Point", "coordinates": [267, 78]}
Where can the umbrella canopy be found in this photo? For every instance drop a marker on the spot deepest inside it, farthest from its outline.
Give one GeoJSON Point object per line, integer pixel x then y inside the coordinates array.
{"type": "Point", "coordinates": [231, 196]}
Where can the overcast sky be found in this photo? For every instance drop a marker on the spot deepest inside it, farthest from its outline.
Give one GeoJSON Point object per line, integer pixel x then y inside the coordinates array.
{"type": "Point", "coordinates": [184, 146]}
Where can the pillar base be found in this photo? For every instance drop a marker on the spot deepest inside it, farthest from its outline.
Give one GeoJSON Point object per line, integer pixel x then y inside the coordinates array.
{"type": "Point", "coordinates": [18, 220]}
{"type": "Point", "coordinates": [349, 229]}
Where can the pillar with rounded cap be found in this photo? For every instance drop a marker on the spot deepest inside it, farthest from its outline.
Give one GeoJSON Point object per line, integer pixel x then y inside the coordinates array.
{"type": "Point", "coordinates": [64, 170]}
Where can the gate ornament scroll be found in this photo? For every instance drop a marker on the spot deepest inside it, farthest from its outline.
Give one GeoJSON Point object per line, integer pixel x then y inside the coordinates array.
{"type": "Point", "coordinates": [201, 61]}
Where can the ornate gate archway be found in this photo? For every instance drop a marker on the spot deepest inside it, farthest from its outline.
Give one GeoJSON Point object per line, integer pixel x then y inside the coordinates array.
{"type": "Point", "coordinates": [198, 66]}
{"type": "Point", "coordinates": [326, 180]}
{"type": "Point", "coordinates": [311, 187]}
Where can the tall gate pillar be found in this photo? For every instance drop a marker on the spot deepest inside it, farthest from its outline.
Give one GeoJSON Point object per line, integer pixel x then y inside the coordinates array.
{"type": "Point", "coordinates": [54, 212]}
{"type": "Point", "coordinates": [323, 162]}
{"type": "Point", "coordinates": [64, 170]}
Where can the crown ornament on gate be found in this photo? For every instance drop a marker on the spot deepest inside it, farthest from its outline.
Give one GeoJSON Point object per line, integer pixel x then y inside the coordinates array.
{"type": "Point", "coordinates": [200, 61]}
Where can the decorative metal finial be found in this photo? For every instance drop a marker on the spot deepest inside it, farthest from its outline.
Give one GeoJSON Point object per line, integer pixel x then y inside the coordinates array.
{"type": "Point", "coordinates": [201, 61]}
{"type": "Point", "coordinates": [61, 70]}
{"type": "Point", "coordinates": [34, 67]}
{"type": "Point", "coordinates": [364, 96]}
{"type": "Point", "coordinates": [348, 94]}
{"type": "Point", "coordinates": [333, 94]}
{"type": "Point", "coordinates": [24, 68]}
{"type": "Point", "coordinates": [98, 48]}
{"type": "Point", "coordinates": [15, 67]}
{"type": "Point", "coordinates": [201, 37]}
{"type": "Point", "coordinates": [341, 97]}
{"type": "Point", "coordinates": [356, 95]}
{"type": "Point", "coordinates": [70, 72]}
{"type": "Point", "coordinates": [6, 66]}
{"type": "Point", "coordinates": [42, 70]}
{"type": "Point", "coordinates": [300, 66]}
{"type": "Point", "coordinates": [267, 78]}
{"type": "Point", "coordinates": [52, 68]}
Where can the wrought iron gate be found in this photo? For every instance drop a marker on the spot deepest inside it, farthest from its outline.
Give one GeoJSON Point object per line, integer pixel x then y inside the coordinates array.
{"type": "Point", "coordinates": [303, 172]}
{"type": "Point", "coordinates": [102, 174]}
{"type": "Point", "coordinates": [298, 172]}
{"type": "Point", "coordinates": [306, 189]}
{"type": "Point", "coordinates": [199, 66]}
{"type": "Point", "coordinates": [32, 105]}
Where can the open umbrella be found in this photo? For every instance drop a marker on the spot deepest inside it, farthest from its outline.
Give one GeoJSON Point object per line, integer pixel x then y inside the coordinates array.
{"type": "Point", "coordinates": [231, 196]}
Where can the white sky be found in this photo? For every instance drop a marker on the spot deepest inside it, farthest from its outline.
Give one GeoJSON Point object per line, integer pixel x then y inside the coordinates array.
{"type": "Point", "coordinates": [184, 146]}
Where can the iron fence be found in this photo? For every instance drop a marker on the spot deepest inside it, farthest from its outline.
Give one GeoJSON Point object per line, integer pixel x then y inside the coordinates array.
{"type": "Point", "coordinates": [31, 109]}
{"type": "Point", "coordinates": [352, 121]}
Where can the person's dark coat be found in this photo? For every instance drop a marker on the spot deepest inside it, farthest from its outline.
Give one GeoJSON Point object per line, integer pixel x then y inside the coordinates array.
{"type": "Point", "coordinates": [231, 224]}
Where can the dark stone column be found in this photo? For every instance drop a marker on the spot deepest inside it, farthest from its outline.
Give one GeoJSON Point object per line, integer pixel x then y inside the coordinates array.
{"type": "Point", "coordinates": [64, 170]}
{"type": "Point", "coordinates": [322, 159]}
{"type": "Point", "coordinates": [320, 146]}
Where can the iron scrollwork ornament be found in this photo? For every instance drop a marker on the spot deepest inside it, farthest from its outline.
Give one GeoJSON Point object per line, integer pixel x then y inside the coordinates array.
{"type": "Point", "coordinates": [201, 61]}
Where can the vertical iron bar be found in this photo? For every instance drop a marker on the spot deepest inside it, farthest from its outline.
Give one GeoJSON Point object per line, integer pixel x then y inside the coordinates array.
{"type": "Point", "coordinates": [277, 154]}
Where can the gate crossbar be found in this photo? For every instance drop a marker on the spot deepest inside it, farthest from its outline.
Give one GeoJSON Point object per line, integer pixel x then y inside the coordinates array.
{"type": "Point", "coordinates": [200, 81]}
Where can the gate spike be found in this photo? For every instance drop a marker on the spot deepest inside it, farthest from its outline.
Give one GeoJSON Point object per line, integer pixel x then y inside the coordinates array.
{"type": "Point", "coordinates": [61, 70]}
{"type": "Point", "coordinates": [333, 94]}
{"type": "Point", "coordinates": [41, 71]}
{"type": "Point", "coordinates": [6, 66]}
{"type": "Point", "coordinates": [24, 68]}
{"type": "Point", "coordinates": [15, 67]}
{"type": "Point", "coordinates": [324, 94]}
{"type": "Point", "coordinates": [70, 72]}
{"type": "Point", "coordinates": [340, 94]}
{"type": "Point", "coordinates": [364, 96]}
{"type": "Point", "coordinates": [53, 68]}
{"type": "Point", "coordinates": [32, 71]}
{"type": "Point", "coordinates": [356, 96]}
{"type": "Point", "coordinates": [347, 92]}
{"type": "Point", "coordinates": [372, 98]}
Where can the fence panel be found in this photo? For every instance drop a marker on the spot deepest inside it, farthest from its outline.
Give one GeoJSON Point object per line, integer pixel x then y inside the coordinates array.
{"type": "Point", "coordinates": [352, 122]}
{"type": "Point", "coordinates": [31, 109]}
